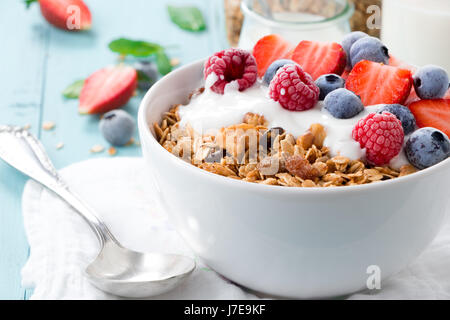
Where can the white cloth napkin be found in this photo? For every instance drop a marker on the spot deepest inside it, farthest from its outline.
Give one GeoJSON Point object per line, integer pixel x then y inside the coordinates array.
{"type": "Point", "coordinates": [61, 243]}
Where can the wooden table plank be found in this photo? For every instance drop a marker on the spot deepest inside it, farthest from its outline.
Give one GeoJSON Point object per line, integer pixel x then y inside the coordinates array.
{"type": "Point", "coordinates": [39, 61]}
{"type": "Point", "coordinates": [22, 70]}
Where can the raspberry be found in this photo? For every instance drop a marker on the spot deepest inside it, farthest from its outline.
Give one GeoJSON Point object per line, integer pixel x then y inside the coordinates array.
{"type": "Point", "coordinates": [232, 65]}
{"type": "Point", "coordinates": [382, 136]}
{"type": "Point", "coordinates": [293, 88]}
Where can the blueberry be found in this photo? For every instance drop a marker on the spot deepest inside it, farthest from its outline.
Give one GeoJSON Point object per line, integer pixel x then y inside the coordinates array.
{"type": "Point", "coordinates": [117, 126]}
{"type": "Point", "coordinates": [273, 68]}
{"type": "Point", "coordinates": [369, 48]}
{"type": "Point", "coordinates": [147, 74]}
{"type": "Point", "coordinates": [343, 104]}
{"type": "Point", "coordinates": [426, 147]}
{"type": "Point", "coordinates": [431, 82]}
{"type": "Point", "coordinates": [328, 83]}
{"type": "Point", "coordinates": [403, 114]}
{"type": "Point", "coordinates": [349, 40]}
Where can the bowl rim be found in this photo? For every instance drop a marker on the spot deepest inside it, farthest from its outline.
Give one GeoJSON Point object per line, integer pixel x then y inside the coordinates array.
{"type": "Point", "coordinates": [144, 130]}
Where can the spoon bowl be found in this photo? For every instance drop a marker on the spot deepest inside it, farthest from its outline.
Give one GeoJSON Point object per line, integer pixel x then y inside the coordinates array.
{"type": "Point", "coordinates": [132, 274]}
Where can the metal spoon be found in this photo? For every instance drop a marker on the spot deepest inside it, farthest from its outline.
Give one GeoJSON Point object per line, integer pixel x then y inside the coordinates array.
{"type": "Point", "coordinates": [116, 270]}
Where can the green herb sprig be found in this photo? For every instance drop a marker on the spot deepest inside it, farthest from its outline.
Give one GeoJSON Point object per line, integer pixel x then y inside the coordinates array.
{"type": "Point", "coordinates": [187, 18]}
{"type": "Point", "coordinates": [140, 49]}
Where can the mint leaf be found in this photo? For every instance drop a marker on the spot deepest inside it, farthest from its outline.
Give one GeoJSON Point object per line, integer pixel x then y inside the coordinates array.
{"type": "Point", "coordinates": [135, 48]}
{"type": "Point", "coordinates": [187, 18]}
{"type": "Point", "coordinates": [29, 2]}
{"type": "Point", "coordinates": [73, 91]}
{"type": "Point", "coordinates": [163, 62]}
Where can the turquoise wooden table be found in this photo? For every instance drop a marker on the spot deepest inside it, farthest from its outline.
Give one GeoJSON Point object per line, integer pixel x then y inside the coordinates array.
{"type": "Point", "coordinates": [37, 61]}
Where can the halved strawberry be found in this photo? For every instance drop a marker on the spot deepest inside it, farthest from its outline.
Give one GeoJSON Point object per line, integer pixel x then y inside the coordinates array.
{"type": "Point", "coordinates": [345, 74]}
{"type": "Point", "coordinates": [72, 15]}
{"type": "Point", "coordinates": [377, 83]}
{"type": "Point", "coordinates": [319, 58]}
{"type": "Point", "coordinates": [447, 95]}
{"type": "Point", "coordinates": [107, 89]}
{"type": "Point", "coordinates": [413, 97]}
{"type": "Point", "coordinates": [432, 113]}
{"type": "Point", "coordinates": [268, 49]}
{"type": "Point", "coordinates": [393, 61]}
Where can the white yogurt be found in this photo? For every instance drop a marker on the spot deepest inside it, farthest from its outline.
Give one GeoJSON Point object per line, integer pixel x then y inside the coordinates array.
{"type": "Point", "coordinates": [210, 111]}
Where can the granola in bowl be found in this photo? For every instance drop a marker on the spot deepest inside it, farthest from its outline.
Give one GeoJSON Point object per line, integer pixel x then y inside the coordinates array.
{"type": "Point", "coordinates": [291, 161]}
{"type": "Point", "coordinates": [305, 121]}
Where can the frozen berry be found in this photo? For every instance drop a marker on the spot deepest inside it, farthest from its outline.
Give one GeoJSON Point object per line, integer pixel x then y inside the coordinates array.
{"type": "Point", "coordinates": [369, 48]}
{"type": "Point", "coordinates": [343, 104]}
{"type": "Point", "coordinates": [117, 127]}
{"type": "Point", "coordinates": [403, 114]}
{"type": "Point", "coordinates": [293, 88]}
{"type": "Point", "coordinates": [348, 41]}
{"type": "Point", "coordinates": [147, 74]}
{"type": "Point", "coordinates": [381, 135]}
{"type": "Point", "coordinates": [426, 147]}
{"type": "Point", "coordinates": [273, 68]}
{"type": "Point", "coordinates": [231, 65]}
{"type": "Point", "coordinates": [328, 83]}
{"type": "Point", "coordinates": [431, 82]}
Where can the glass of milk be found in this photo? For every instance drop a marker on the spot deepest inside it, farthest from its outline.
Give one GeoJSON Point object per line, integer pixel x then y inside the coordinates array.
{"type": "Point", "coordinates": [295, 20]}
{"type": "Point", "coordinates": [416, 31]}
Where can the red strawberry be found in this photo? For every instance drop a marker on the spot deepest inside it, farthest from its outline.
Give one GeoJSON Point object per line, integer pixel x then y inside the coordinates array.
{"type": "Point", "coordinates": [447, 95]}
{"type": "Point", "coordinates": [377, 83]}
{"type": "Point", "coordinates": [413, 97]}
{"type": "Point", "coordinates": [432, 113]}
{"type": "Point", "coordinates": [107, 89]}
{"type": "Point", "coordinates": [393, 61]}
{"type": "Point", "coordinates": [72, 15]}
{"type": "Point", "coordinates": [345, 74]}
{"type": "Point", "coordinates": [319, 58]}
{"type": "Point", "coordinates": [268, 49]}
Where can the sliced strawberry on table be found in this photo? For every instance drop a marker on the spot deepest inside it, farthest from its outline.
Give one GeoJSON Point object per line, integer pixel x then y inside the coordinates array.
{"type": "Point", "coordinates": [108, 89]}
{"type": "Point", "coordinates": [319, 58]}
{"type": "Point", "coordinates": [377, 83]}
{"type": "Point", "coordinates": [268, 49]}
{"type": "Point", "coordinates": [72, 15]}
{"type": "Point", "coordinates": [432, 113]}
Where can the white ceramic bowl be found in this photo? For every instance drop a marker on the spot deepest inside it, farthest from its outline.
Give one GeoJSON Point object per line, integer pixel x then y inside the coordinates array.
{"type": "Point", "coordinates": [290, 242]}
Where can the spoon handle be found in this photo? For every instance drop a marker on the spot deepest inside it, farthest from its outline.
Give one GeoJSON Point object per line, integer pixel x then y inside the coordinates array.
{"type": "Point", "coordinates": [21, 150]}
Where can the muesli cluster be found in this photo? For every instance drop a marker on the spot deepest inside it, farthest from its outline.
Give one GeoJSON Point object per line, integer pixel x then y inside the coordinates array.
{"type": "Point", "coordinates": [350, 99]}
